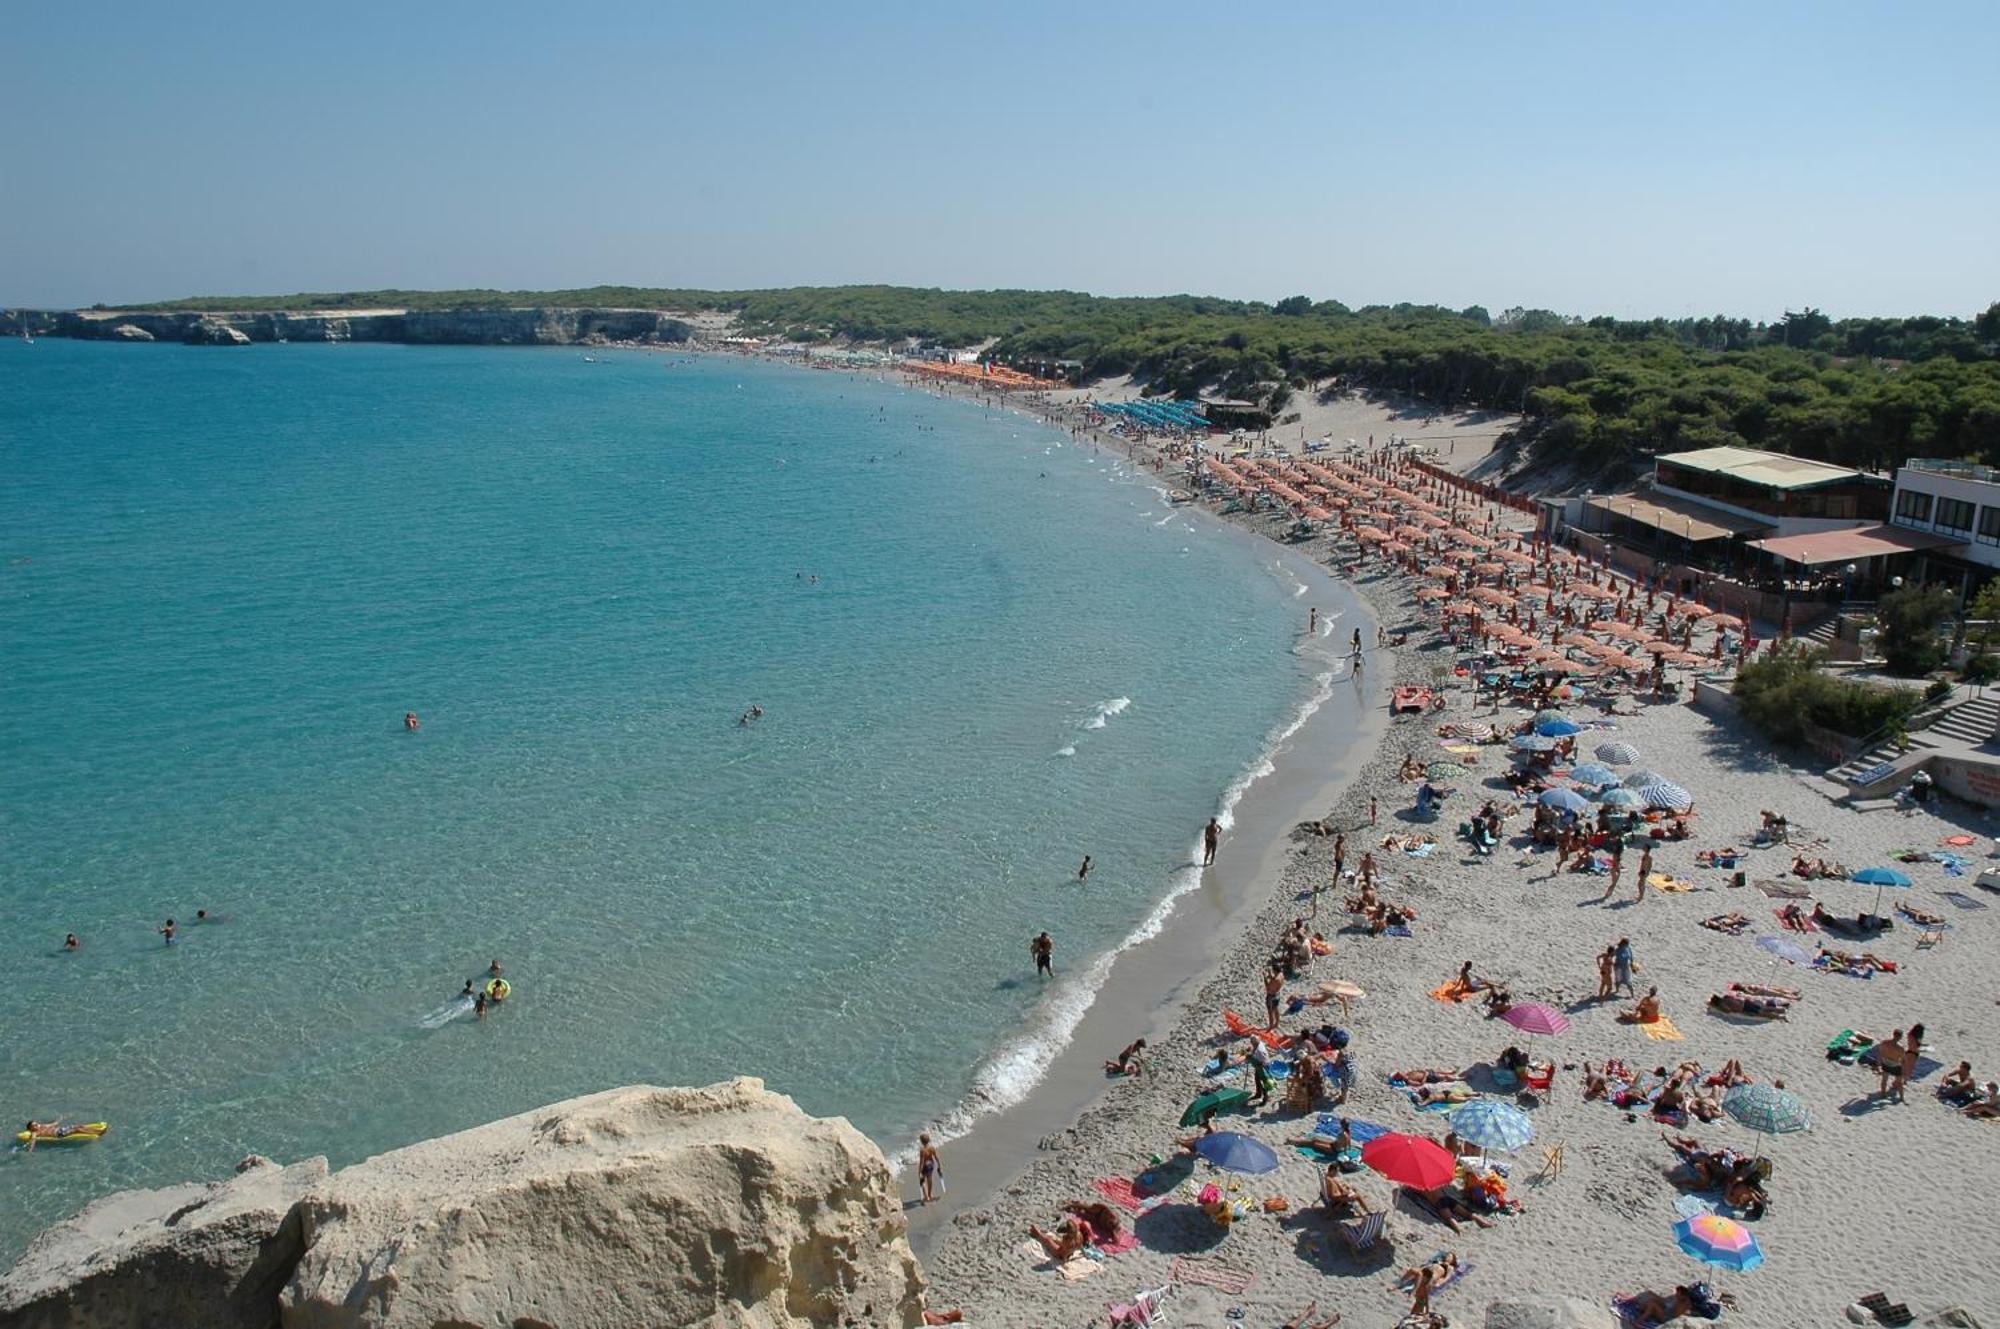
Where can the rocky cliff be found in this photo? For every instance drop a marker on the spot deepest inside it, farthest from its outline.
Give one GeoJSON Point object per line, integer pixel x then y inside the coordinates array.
{"type": "Point", "coordinates": [723, 1207]}
{"type": "Point", "coordinates": [475, 327]}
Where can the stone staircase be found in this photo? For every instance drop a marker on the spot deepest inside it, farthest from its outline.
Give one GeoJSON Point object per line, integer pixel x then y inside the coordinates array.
{"type": "Point", "coordinates": [1969, 725]}
{"type": "Point", "coordinates": [1822, 631]}
{"type": "Point", "coordinates": [1886, 766]}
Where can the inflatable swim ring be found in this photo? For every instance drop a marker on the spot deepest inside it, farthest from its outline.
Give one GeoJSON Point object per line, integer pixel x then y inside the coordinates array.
{"type": "Point", "coordinates": [499, 989]}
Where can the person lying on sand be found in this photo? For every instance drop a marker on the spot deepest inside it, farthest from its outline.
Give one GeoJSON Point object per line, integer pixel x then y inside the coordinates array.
{"type": "Point", "coordinates": [1426, 1075]}
{"type": "Point", "coordinates": [1811, 868]}
{"type": "Point", "coordinates": [1731, 1075]}
{"type": "Point", "coordinates": [1498, 1000]}
{"type": "Point", "coordinates": [1596, 1084]}
{"type": "Point", "coordinates": [1987, 1105]}
{"type": "Point", "coordinates": [1853, 960]}
{"type": "Point", "coordinates": [1072, 1234]}
{"type": "Point", "coordinates": [1647, 1011]}
{"type": "Point", "coordinates": [1749, 1003]}
{"type": "Point", "coordinates": [1697, 1302]}
{"type": "Point", "coordinates": [1304, 1319]}
{"type": "Point", "coordinates": [1099, 1217]}
{"type": "Point", "coordinates": [1451, 1208]}
{"type": "Point", "coordinates": [1924, 916]}
{"type": "Point", "coordinates": [1731, 923]}
{"type": "Point", "coordinates": [1421, 1280]}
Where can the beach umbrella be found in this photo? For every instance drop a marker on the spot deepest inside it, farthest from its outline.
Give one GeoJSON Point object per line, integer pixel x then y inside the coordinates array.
{"type": "Point", "coordinates": [1764, 1108]}
{"type": "Point", "coordinates": [1531, 743]}
{"type": "Point", "coordinates": [1623, 800]}
{"type": "Point", "coordinates": [1444, 770]}
{"type": "Point", "coordinates": [1716, 1240]}
{"type": "Point", "coordinates": [1878, 878]}
{"type": "Point", "coordinates": [1640, 779]}
{"type": "Point", "coordinates": [1668, 795]}
{"type": "Point", "coordinates": [1493, 1124]}
{"type": "Point", "coordinates": [1558, 728]}
{"type": "Point", "coordinates": [1617, 754]}
{"type": "Point", "coordinates": [1545, 717]}
{"type": "Point", "coordinates": [1215, 1100]}
{"type": "Point", "coordinates": [1534, 1017]}
{"type": "Point", "coordinates": [1785, 949]}
{"type": "Point", "coordinates": [1592, 773]}
{"type": "Point", "coordinates": [1410, 1160]}
{"type": "Point", "coordinates": [1564, 800]}
{"type": "Point", "coordinates": [1234, 1151]}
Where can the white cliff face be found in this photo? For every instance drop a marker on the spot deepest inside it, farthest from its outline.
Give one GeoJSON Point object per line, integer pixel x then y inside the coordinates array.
{"type": "Point", "coordinates": [723, 1206]}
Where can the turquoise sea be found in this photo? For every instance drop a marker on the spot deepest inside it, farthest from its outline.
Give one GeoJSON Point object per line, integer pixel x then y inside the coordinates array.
{"type": "Point", "coordinates": [226, 574]}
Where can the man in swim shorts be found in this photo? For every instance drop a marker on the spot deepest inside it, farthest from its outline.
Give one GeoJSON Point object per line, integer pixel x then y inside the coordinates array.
{"type": "Point", "coordinates": [1043, 948]}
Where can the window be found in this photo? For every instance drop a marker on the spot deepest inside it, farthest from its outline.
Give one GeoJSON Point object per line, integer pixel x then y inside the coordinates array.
{"type": "Point", "coordinates": [1913, 507]}
{"type": "Point", "coordinates": [1954, 514]}
{"type": "Point", "coordinates": [1989, 526]}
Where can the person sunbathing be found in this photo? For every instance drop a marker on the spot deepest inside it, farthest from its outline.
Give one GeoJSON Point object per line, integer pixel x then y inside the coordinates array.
{"type": "Point", "coordinates": [1099, 1217]}
{"type": "Point", "coordinates": [1794, 919]}
{"type": "Point", "coordinates": [1596, 1084]}
{"type": "Point", "coordinates": [1958, 1086]}
{"type": "Point", "coordinates": [1765, 990]}
{"type": "Point", "coordinates": [1439, 1092]}
{"type": "Point", "coordinates": [1423, 1279]}
{"type": "Point", "coordinates": [1987, 1105]}
{"type": "Point", "coordinates": [1425, 1075]}
{"type": "Point", "coordinates": [1747, 1003]}
{"type": "Point", "coordinates": [1924, 916]}
{"type": "Point", "coordinates": [1498, 1000]}
{"type": "Point", "coordinates": [1450, 1208]}
{"type": "Point", "coordinates": [1646, 1011]}
{"type": "Point", "coordinates": [1731, 1075]}
{"type": "Point", "coordinates": [1652, 1308]}
{"type": "Point", "coordinates": [1726, 922]}
{"type": "Point", "coordinates": [1072, 1234]}
{"type": "Point", "coordinates": [1336, 1195]}
{"type": "Point", "coordinates": [1304, 1319]}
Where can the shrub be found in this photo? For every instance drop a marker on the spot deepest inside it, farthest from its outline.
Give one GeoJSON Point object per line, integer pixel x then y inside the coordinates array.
{"type": "Point", "coordinates": [1909, 620]}
{"type": "Point", "coordinates": [1786, 690]}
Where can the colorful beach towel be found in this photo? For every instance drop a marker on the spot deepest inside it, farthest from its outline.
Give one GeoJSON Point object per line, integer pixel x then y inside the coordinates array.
{"type": "Point", "coordinates": [1118, 1245]}
{"type": "Point", "coordinates": [1663, 1029]}
{"type": "Point", "coordinates": [1962, 900]}
{"type": "Point", "coordinates": [1453, 993]}
{"type": "Point", "coordinates": [1660, 881]}
{"type": "Point", "coordinates": [1328, 1125]}
{"type": "Point", "coordinates": [1121, 1191]}
{"type": "Point", "coordinates": [1074, 1268]}
{"type": "Point", "coordinates": [1458, 1271]}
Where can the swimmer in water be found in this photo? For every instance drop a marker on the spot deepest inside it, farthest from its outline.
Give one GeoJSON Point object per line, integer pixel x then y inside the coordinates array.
{"type": "Point", "coordinates": [479, 1006]}
{"type": "Point", "coordinates": [411, 722]}
{"type": "Point", "coordinates": [203, 916]}
{"type": "Point", "coordinates": [70, 943]}
{"type": "Point", "coordinates": [493, 970]}
{"type": "Point", "coordinates": [1084, 871]}
{"type": "Point", "coordinates": [168, 932]}
{"type": "Point", "coordinates": [468, 994]}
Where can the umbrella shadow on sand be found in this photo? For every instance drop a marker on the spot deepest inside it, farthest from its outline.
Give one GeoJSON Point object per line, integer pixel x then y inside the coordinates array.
{"type": "Point", "coordinates": [1320, 1246]}
{"type": "Point", "coordinates": [1178, 1229]}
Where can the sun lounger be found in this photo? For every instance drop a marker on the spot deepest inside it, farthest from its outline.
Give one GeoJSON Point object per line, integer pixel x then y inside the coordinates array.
{"type": "Point", "coordinates": [1234, 1282]}
{"type": "Point", "coordinates": [1361, 1235]}
{"type": "Point", "coordinates": [1142, 1311]}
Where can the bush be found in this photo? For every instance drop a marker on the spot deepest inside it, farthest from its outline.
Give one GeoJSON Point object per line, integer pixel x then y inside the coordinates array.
{"type": "Point", "coordinates": [1982, 667]}
{"type": "Point", "coordinates": [1909, 620]}
{"type": "Point", "coordinates": [1786, 690]}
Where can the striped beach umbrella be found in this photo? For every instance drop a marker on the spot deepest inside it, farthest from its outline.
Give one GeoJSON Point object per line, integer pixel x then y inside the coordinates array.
{"type": "Point", "coordinates": [1667, 795]}
{"type": "Point", "coordinates": [1764, 1108]}
{"type": "Point", "coordinates": [1493, 1124]}
{"type": "Point", "coordinates": [1617, 754]}
{"type": "Point", "coordinates": [1535, 1017]}
{"type": "Point", "coordinates": [1717, 1240]}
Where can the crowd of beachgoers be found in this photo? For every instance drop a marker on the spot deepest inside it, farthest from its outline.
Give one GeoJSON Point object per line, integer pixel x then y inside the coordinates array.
{"type": "Point", "coordinates": [1577, 994]}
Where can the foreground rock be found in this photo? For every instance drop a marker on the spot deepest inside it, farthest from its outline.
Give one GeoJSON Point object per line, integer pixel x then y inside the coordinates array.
{"type": "Point", "coordinates": [209, 1254]}
{"type": "Point", "coordinates": [723, 1206]}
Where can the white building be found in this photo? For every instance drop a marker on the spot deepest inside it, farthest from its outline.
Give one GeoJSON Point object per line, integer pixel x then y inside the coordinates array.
{"type": "Point", "coordinates": [1957, 501]}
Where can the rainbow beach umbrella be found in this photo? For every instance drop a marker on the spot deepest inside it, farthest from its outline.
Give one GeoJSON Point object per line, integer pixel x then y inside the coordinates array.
{"type": "Point", "coordinates": [1714, 1239]}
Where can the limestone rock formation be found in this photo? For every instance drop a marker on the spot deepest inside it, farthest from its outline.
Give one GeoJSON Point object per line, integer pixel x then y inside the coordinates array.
{"type": "Point", "coordinates": [716, 1207]}
{"type": "Point", "coordinates": [214, 332]}
{"type": "Point", "coordinates": [131, 332]}
{"type": "Point", "coordinates": [209, 1254]}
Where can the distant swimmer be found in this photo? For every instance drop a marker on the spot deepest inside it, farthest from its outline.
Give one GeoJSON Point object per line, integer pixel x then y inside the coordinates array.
{"type": "Point", "coordinates": [411, 722]}
{"type": "Point", "coordinates": [70, 943]}
{"type": "Point", "coordinates": [1211, 836]}
{"type": "Point", "coordinates": [479, 1006]}
{"type": "Point", "coordinates": [468, 994]}
{"type": "Point", "coordinates": [754, 713]}
{"type": "Point", "coordinates": [203, 916]}
{"type": "Point", "coordinates": [493, 970]}
{"type": "Point", "coordinates": [1083, 872]}
{"type": "Point", "coordinates": [168, 932]}
{"type": "Point", "coordinates": [1043, 948]}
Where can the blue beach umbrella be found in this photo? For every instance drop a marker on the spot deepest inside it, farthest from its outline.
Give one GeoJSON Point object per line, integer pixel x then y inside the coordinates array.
{"type": "Point", "coordinates": [1531, 743]}
{"type": "Point", "coordinates": [1564, 800]}
{"type": "Point", "coordinates": [1549, 717]}
{"type": "Point", "coordinates": [1719, 1241]}
{"type": "Point", "coordinates": [1617, 754]}
{"type": "Point", "coordinates": [1593, 774]}
{"type": "Point", "coordinates": [1878, 878]}
{"type": "Point", "coordinates": [1237, 1152]}
{"type": "Point", "coordinates": [1624, 800]}
{"type": "Point", "coordinates": [1560, 727]}
{"type": "Point", "coordinates": [1492, 1124]}
{"type": "Point", "coordinates": [1667, 795]}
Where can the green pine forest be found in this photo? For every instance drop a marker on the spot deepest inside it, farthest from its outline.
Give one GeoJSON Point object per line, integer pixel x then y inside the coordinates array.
{"type": "Point", "coordinates": [1598, 394]}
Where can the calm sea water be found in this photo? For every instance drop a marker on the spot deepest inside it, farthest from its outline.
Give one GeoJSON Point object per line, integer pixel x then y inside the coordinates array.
{"type": "Point", "coordinates": [226, 574]}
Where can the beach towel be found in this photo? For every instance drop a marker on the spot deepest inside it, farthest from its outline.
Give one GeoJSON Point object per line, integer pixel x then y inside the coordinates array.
{"type": "Point", "coordinates": [1675, 886]}
{"type": "Point", "coordinates": [1401, 931]}
{"type": "Point", "coordinates": [1242, 1028]}
{"type": "Point", "coordinates": [1664, 1030]}
{"type": "Point", "coordinates": [1328, 1125]}
{"type": "Point", "coordinates": [1421, 851]}
{"type": "Point", "coordinates": [1121, 1191]}
{"type": "Point", "coordinates": [1794, 922]}
{"type": "Point", "coordinates": [1962, 900]}
{"type": "Point", "coordinates": [1072, 1269]}
{"type": "Point", "coordinates": [1118, 1245]}
{"type": "Point", "coordinates": [1221, 1277]}
{"type": "Point", "coordinates": [1453, 993]}
{"type": "Point", "coordinates": [1440, 1104]}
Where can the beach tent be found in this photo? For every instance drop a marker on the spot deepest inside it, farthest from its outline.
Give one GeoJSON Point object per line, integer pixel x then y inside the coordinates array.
{"type": "Point", "coordinates": [1215, 1100]}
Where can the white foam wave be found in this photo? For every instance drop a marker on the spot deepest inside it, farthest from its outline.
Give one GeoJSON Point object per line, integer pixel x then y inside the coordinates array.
{"type": "Point", "coordinates": [1105, 710]}
{"type": "Point", "coordinates": [1164, 520]}
{"type": "Point", "coordinates": [1066, 750]}
{"type": "Point", "coordinates": [1007, 1076]}
{"type": "Point", "coordinates": [1298, 590]}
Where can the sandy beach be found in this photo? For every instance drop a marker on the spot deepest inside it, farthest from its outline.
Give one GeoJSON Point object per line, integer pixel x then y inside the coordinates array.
{"type": "Point", "coordinates": [1877, 1195]}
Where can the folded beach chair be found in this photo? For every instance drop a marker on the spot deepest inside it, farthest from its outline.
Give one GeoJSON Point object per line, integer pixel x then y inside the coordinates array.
{"type": "Point", "coordinates": [1362, 1234]}
{"type": "Point", "coordinates": [1142, 1310]}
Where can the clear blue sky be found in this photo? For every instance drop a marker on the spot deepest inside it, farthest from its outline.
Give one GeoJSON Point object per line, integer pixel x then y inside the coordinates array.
{"type": "Point", "coordinates": [1592, 158]}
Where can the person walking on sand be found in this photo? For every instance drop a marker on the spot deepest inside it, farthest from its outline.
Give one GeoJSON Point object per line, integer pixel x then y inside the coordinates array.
{"type": "Point", "coordinates": [927, 1167]}
{"type": "Point", "coordinates": [1617, 851]}
{"type": "Point", "coordinates": [1211, 836]}
{"type": "Point", "coordinates": [1645, 869]}
{"type": "Point", "coordinates": [1621, 963]}
{"type": "Point", "coordinates": [1906, 1065]}
{"type": "Point", "coordinates": [1043, 948]}
{"type": "Point", "coordinates": [1371, 809]}
{"type": "Point", "coordinates": [1606, 981]}
{"type": "Point", "coordinates": [1083, 872]}
{"type": "Point", "coordinates": [1339, 853]}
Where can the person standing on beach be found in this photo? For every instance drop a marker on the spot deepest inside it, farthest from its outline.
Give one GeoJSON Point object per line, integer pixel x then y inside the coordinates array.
{"type": "Point", "coordinates": [1606, 982]}
{"type": "Point", "coordinates": [1211, 836]}
{"type": "Point", "coordinates": [1274, 983]}
{"type": "Point", "coordinates": [1617, 848]}
{"type": "Point", "coordinates": [1621, 963]}
{"type": "Point", "coordinates": [1339, 854]}
{"type": "Point", "coordinates": [1907, 1065]}
{"type": "Point", "coordinates": [1260, 1071]}
{"type": "Point", "coordinates": [1312, 622]}
{"type": "Point", "coordinates": [1371, 809]}
{"type": "Point", "coordinates": [1043, 948]}
{"type": "Point", "coordinates": [1084, 872]}
{"type": "Point", "coordinates": [1645, 869]}
{"type": "Point", "coordinates": [927, 1167]}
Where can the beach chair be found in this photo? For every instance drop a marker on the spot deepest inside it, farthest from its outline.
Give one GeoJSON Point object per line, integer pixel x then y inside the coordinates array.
{"type": "Point", "coordinates": [1552, 1162]}
{"type": "Point", "coordinates": [1531, 1083]}
{"type": "Point", "coordinates": [1929, 937]}
{"type": "Point", "coordinates": [1142, 1310]}
{"type": "Point", "coordinates": [1361, 1235]}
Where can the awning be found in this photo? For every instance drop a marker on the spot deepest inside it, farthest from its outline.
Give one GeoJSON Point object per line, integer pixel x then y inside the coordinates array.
{"type": "Point", "coordinates": [1850, 544]}
{"type": "Point", "coordinates": [1675, 516]}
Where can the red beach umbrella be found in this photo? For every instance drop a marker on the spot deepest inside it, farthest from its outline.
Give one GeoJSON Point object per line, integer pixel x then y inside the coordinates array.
{"type": "Point", "coordinates": [1410, 1160]}
{"type": "Point", "coordinates": [1534, 1017]}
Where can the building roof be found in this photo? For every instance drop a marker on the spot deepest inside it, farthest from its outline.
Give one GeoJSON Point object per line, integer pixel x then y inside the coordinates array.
{"type": "Point", "coordinates": [1850, 544]}
{"type": "Point", "coordinates": [1957, 470]}
{"type": "Point", "coordinates": [1677, 516]}
{"type": "Point", "coordinates": [1772, 469]}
